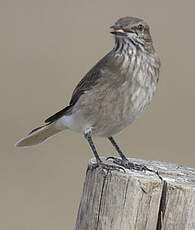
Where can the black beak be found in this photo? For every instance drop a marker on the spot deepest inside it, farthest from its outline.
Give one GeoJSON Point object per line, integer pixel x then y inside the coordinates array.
{"type": "Point", "coordinates": [117, 30]}
{"type": "Point", "coordinates": [116, 27]}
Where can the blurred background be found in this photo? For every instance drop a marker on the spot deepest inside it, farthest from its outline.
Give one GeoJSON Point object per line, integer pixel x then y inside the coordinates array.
{"type": "Point", "coordinates": [45, 48]}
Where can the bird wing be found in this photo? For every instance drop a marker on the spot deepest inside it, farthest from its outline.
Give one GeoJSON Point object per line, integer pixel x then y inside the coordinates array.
{"type": "Point", "coordinates": [86, 83]}
{"type": "Point", "coordinates": [59, 114]}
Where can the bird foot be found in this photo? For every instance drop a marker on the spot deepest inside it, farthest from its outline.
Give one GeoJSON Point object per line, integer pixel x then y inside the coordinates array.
{"type": "Point", "coordinates": [132, 166]}
{"type": "Point", "coordinates": [109, 167]}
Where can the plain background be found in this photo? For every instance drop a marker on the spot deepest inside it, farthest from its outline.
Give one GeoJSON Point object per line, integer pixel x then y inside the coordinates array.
{"type": "Point", "coordinates": [45, 48]}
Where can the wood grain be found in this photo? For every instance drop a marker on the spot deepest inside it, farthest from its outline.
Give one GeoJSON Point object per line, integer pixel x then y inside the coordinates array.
{"type": "Point", "coordinates": [134, 200]}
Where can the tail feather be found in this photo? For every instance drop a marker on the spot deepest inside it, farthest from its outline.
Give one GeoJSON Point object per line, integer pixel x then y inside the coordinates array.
{"type": "Point", "coordinates": [38, 135]}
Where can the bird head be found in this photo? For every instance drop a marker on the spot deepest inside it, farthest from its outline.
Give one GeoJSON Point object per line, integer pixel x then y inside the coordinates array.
{"type": "Point", "coordinates": [133, 29]}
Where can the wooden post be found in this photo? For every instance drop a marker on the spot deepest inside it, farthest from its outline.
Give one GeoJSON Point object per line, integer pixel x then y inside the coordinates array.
{"type": "Point", "coordinates": [133, 200]}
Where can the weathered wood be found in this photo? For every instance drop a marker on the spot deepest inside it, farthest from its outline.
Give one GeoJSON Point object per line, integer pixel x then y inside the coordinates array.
{"type": "Point", "coordinates": [138, 200]}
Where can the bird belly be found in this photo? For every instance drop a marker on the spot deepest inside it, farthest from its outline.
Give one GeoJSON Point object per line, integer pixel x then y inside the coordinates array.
{"type": "Point", "coordinates": [109, 114]}
{"type": "Point", "coordinates": [124, 108]}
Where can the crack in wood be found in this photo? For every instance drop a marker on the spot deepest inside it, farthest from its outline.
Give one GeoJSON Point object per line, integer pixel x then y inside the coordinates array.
{"type": "Point", "coordinates": [101, 196]}
{"type": "Point", "coordinates": [162, 206]}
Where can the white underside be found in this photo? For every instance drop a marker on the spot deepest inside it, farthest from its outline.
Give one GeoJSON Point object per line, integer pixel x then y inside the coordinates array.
{"type": "Point", "coordinates": [73, 122]}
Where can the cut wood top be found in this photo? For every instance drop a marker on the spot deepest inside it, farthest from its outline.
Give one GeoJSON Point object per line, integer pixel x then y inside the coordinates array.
{"type": "Point", "coordinates": [170, 172]}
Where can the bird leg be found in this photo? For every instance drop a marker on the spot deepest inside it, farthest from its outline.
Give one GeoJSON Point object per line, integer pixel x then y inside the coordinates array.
{"type": "Point", "coordinates": [99, 162]}
{"type": "Point", "coordinates": [124, 161]}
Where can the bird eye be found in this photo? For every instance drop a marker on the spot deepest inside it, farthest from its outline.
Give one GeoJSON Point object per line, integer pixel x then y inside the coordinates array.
{"type": "Point", "coordinates": [140, 27]}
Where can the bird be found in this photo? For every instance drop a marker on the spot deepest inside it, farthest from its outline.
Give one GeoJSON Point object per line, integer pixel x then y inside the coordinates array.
{"type": "Point", "coordinates": [112, 95]}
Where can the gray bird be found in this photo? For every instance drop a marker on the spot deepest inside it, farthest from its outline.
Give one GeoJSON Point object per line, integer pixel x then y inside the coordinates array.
{"type": "Point", "coordinates": [112, 95]}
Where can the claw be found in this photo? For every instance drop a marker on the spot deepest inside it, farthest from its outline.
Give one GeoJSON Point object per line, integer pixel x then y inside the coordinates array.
{"type": "Point", "coordinates": [112, 158]}
{"type": "Point", "coordinates": [132, 166]}
{"type": "Point", "coordinates": [109, 167]}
